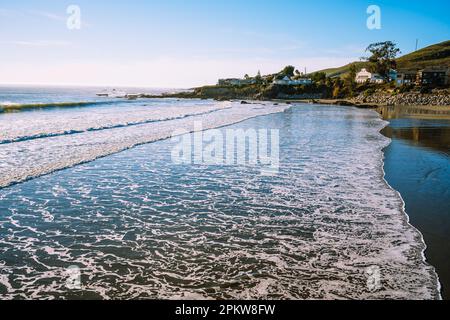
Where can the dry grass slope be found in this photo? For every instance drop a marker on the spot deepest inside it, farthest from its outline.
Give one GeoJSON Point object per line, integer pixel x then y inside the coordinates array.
{"type": "Point", "coordinates": [435, 55]}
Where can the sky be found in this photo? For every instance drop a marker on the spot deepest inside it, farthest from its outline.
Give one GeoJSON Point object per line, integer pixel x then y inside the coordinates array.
{"type": "Point", "coordinates": [187, 43]}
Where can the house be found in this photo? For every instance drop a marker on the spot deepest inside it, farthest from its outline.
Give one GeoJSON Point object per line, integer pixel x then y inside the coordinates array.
{"type": "Point", "coordinates": [236, 82]}
{"type": "Point", "coordinates": [406, 76]}
{"type": "Point", "coordinates": [376, 78]}
{"type": "Point", "coordinates": [393, 75]}
{"type": "Point", "coordinates": [302, 81]}
{"type": "Point", "coordinates": [231, 81]}
{"type": "Point", "coordinates": [364, 76]}
{"type": "Point", "coordinates": [286, 81]}
{"type": "Point", "coordinates": [434, 76]}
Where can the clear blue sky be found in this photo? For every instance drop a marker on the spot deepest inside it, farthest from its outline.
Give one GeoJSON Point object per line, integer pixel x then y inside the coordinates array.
{"type": "Point", "coordinates": [182, 43]}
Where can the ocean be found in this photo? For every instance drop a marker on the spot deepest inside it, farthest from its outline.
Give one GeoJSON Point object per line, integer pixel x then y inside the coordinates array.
{"type": "Point", "coordinates": [93, 194]}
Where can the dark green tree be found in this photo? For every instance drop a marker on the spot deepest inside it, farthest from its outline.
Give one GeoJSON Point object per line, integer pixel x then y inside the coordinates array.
{"type": "Point", "coordinates": [350, 81]}
{"type": "Point", "coordinates": [288, 71]}
{"type": "Point", "coordinates": [382, 59]}
{"type": "Point", "coordinates": [337, 88]}
{"type": "Point", "coordinates": [318, 77]}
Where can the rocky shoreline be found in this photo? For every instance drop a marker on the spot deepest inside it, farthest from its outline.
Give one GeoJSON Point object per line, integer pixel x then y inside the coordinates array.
{"type": "Point", "coordinates": [375, 99]}
{"type": "Point", "coordinates": [436, 98]}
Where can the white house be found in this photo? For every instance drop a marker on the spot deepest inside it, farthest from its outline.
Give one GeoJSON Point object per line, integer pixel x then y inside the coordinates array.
{"type": "Point", "coordinates": [286, 81]}
{"type": "Point", "coordinates": [365, 76]}
{"type": "Point", "coordinates": [376, 78]}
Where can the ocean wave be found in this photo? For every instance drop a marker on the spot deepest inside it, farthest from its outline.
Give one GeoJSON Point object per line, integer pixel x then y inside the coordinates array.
{"type": "Point", "coordinates": [105, 127]}
{"type": "Point", "coordinates": [31, 158]}
{"type": "Point", "coordinates": [8, 106]}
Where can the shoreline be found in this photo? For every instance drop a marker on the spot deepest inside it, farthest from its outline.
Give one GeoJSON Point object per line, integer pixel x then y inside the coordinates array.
{"type": "Point", "coordinates": [349, 103]}
{"type": "Point", "coordinates": [407, 217]}
{"type": "Point", "coordinates": [407, 176]}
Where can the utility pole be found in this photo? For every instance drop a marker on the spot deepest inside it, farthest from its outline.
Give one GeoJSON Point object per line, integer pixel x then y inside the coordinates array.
{"type": "Point", "coordinates": [417, 44]}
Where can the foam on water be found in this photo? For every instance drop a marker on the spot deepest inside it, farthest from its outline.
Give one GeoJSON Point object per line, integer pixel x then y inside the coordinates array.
{"type": "Point", "coordinates": [139, 226]}
{"type": "Point", "coordinates": [19, 127]}
{"type": "Point", "coordinates": [39, 144]}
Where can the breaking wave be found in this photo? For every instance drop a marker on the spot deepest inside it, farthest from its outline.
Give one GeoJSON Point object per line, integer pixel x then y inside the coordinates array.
{"type": "Point", "coordinates": [106, 127]}
{"type": "Point", "coordinates": [56, 150]}
{"type": "Point", "coordinates": [13, 106]}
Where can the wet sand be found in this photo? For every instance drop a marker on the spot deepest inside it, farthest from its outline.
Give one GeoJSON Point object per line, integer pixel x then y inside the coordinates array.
{"type": "Point", "coordinates": [417, 164]}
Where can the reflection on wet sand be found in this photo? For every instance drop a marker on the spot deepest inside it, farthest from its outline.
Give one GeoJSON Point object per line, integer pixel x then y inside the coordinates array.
{"type": "Point", "coordinates": [415, 112]}
{"type": "Point", "coordinates": [421, 126]}
{"type": "Point", "coordinates": [417, 164]}
{"type": "Point", "coordinates": [437, 138]}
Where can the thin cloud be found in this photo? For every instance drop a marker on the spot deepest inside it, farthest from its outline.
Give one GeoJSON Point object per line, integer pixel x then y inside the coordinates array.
{"type": "Point", "coordinates": [57, 17]}
{"type": "Point", "coordinates": [7, 13]}
{"type": "Point", "coordinates": [49, 15]}
{"type": "Point", "coordinates": [255, 50]}
{"type": "Point", "coordinates": [44, 43]}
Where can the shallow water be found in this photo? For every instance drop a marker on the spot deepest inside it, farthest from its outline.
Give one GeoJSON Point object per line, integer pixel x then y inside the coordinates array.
{"type": "Point", "coordinates": [140, 226]}
{"type": "Point", "coordinates": [418, 165]}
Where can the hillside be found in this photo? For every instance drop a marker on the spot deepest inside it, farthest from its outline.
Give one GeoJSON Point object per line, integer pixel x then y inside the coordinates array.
{"type": "Point", "coordinates": [435, 55]}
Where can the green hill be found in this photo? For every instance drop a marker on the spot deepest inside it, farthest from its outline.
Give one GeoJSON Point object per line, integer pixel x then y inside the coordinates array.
{"type": "Point", "coordinates": [435, 55]}
{"type": "Point", "coordinates": [342, 71]}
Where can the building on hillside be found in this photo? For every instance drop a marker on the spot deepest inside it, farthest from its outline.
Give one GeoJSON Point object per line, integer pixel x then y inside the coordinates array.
{"type": "Point", "coordinates": [376, 78]}
{"type": "Point", "coordinates": [364, 76]}
{"type": "Point", "coordinates": [236, 82]}
{"type": "Point", "coordinates": [303, 81]}
{"type": "Point", "coordinates": [406, 76]}
{"type": "Point", "coordinates": [393, 75]}
{"type": "Point", "coordinates": [286, 81]}
{"type": "Point", "coordinates": [434, 76]}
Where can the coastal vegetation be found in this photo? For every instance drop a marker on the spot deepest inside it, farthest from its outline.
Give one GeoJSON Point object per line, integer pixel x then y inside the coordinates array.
{"type": "Point", "coordinates": [382, 59]}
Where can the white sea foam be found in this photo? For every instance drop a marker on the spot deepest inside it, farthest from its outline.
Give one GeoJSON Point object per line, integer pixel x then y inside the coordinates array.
{"type": "Point", "coordinates": [58, 149]}
{"type": "Point", "coordinates": [19, 127]}
{"type": "Point", "coordinates": [138, 226]}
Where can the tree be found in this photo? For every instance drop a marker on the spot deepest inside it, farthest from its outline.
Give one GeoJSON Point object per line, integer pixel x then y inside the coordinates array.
{"type": "Point", "coordinates": [382, 58]}
{"type": "Point", "coordinates": [288, 71]}
{"type": "Point", "coordinates": [258, 77]}
{"type": "Point", "coordinates": [318, 76]}
{"type": "Point", "coordinates": [329, 82]}
{"type": "Point", "coordinates": [246, 76]}
{"type": "Point", "coordinates": [337, 88]}
{"type": "Point", "coordinates": [349, 81]}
